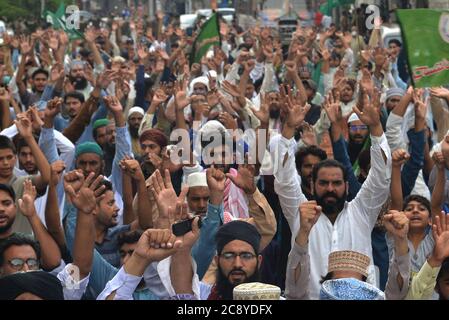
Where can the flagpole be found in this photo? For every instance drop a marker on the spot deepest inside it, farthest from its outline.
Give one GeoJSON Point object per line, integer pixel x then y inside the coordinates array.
{"type": "Point", "coordinates": [42, 7]}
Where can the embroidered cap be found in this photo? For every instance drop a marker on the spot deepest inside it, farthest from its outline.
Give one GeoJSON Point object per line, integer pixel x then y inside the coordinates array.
{"type": "Point", "coordinates": [256, 291]}
{"type": "Point", "coordinates": [348, 261]}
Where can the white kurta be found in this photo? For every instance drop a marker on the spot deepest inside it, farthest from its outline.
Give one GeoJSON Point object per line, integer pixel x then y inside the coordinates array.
{"type": "Point", "coordinates": [353, 226]}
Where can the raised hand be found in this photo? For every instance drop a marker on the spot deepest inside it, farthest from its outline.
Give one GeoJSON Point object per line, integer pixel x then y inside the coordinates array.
{"type": "Point", "coordinates": [156, 245]}
{"type": "Point", "coordinates": [142, 52]}
{"type": "Point", "coordinates": [216, 182]}
{"type": "Point", "coordinates": [113, 104]}
{"type": "Point", "coordinates": [25, 45]}
{"type": "Point", "coordinates": [213, 98]}
{"type": "Point", "coordinates": [309, 213]}
{"type": "Point", "coordinates": [367, 82]}
{"type": "Point", "coordinates": [56, 169]}
{"type": "Point", "coordinates": [333, 108]}
{"type": "Point", "coordinates": [440, 92]}
{"type": "Point", "coordinates": [371, 112]}
{"type": "Point", "coordinates": [439, 160]}
{"type": "Point", "coordinates": [85, 200]}
{"type": "Point", "coordinates": [5, 95]}
{"type": "Point", "coordinates": [263, 114]}
{"type": "Point", "coordinates": [163, 191]}
{"type": "Point", "coordinates": [181, 99]}
{"type": "Point", "coordinates": [53, 108]}
{"type": "Point", "coordinates": [159, 97]}
{"type": "Point", "coordinates": [26, 204]}
{"type": "Point", "coordinates": [396, 223]}
{"type": "Point", "coordinates": [57, 72]}
{"type": "Point", "coordinates": [292, 68]}
{"type": "Point", "coordinates": [308, 135]}
{"type": "Point", "coordinates": [24, 127]}
{"type": "Point", "coordinates": [420, 104]}
{"type": "Point", "coordinates": [440, 231]}
{"type": "Point", "coordinates": [227, 120]}
{"type": "Point", "coordinates": [296, 112]}
{"type": "Point", "coordinates": [131, 167]}
{"type": "Point", "coordinates": [399, 157]}
{"type": "Point", "coordinates": [73, 181]}
{"type": "Point", "coordinates": [245, 178]}
{"type": "Point", "coordinates": [231, 89]}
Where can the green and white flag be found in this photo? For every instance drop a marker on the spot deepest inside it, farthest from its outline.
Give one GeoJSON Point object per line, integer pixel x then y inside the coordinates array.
{"type": "Point", "coordinates": [209, 36]}
{"type": "Point", "coordinates": [327, 7]}
{"type": "Point", "coordinates": [425, 33]}
{"type": "Point", "coordinates": [58, 20]}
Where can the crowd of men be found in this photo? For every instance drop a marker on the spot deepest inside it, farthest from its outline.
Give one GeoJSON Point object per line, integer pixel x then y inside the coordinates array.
{"type": "Point", "coordinates": [326, 174]}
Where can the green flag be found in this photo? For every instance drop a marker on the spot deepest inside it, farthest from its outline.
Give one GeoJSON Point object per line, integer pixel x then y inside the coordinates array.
{"type": "Point", "coordinates": [326, 8]}
{"type": "Point", "coordinates": [426, 38]}
{"type": "Point", "coordinates": [209, 36]}
{"type": "Point", "coordinates": [57, 19]}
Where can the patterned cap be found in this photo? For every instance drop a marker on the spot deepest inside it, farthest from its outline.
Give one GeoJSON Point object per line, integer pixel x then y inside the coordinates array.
{"type": "Point", "coordinates": [256, 291]}
{"type": "Point", "coordinates": [349, 289]}
{"type": "Point", "coordinates": [348, 261]}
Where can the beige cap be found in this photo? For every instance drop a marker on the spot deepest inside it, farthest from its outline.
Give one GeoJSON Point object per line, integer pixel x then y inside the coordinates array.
{"type": "Point", "coordinates": [348, 261]}
{"type": "Point", "coordinates": [197, 179]}
{"type": "Point", "coordinates": [256, 291]}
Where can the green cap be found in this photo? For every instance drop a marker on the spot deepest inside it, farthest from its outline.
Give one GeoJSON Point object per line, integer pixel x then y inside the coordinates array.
{"type": "Point", "coordinates": [100, 123]}
{"type": "Point", "coordinates": [88, 147]}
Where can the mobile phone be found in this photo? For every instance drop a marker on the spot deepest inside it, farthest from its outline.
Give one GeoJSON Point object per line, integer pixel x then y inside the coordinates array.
{"type": "Point", "coordinates": [183, 227]}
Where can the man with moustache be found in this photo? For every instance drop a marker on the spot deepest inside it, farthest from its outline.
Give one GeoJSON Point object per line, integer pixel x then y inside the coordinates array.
{"type": "Point", "coordinates": [77, 77]}
{"type": "Point", "coordinates": [238, 260]}
{"type": "Point", "coordinates": [358, 133]}
{"type": "Point", "coordinates": [344, 225]}
{"type": "Point", "coordinates": [306, 158]}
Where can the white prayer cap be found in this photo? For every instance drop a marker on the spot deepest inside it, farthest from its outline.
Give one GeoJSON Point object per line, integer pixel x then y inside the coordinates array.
{"type": "Point", "coordinates": [353, 117]}
{"type": "Point", "coordinates": [203, 80]}
{"type": "Point", "coordinates": [136, 110]}
{"type": "Point", "coordinates": [212, 73]}
{"type": "Point", "coordinates": [211, 127]}
{"type": "Point", "coordinates": [197, 179]}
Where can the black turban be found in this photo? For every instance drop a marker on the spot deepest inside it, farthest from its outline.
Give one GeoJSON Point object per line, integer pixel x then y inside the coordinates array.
{"type": "Point", "coordinates": [40, 283]}
{"type": "Point", "coordinates": [237, 230]}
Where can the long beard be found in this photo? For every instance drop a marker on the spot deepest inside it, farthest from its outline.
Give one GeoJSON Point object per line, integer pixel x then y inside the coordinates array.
{"type": "Point", "coordinates": [275, 113]}
{"type": "Point", "coordinates": [79, 83]}
{"type": "Point", "coordinates": [330, 208]}
{"type": "Point", "coordinates": [134, 132]}
{"type": "Point", "coordinates": [225, 288]}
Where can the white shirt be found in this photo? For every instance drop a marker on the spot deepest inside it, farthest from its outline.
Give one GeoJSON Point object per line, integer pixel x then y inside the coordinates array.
{"type": "Point", "coordinates": [353, 226]}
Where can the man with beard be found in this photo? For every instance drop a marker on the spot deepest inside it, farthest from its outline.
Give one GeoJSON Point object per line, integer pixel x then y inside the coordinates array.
{"type": "Point", "coordinates": [358, 133]}
{"type": "Point", "coordinates": [77, 77]}
{"type": "Point", "coordinates": [198, 194]}
{"type": "Point", "coordinates": [135, 116]}
{"type": "Point", "coordinates": [238, 260]}
{"type": "Point", "coordinates": [344, 225]}
{"type": "Point", "coordinates": [152, 142]}
{"type": "Point", "coordinates": [26, 158]}
{"type": "Point", "coordinates": [306, 158]}
{"type": "Point", "coordinates": [275, 110]}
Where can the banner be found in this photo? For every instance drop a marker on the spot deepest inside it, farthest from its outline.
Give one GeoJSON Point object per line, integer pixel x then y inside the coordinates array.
{"type": "Point", "coordinates": [425, 33]}
{"type": "Point", "coordinates": [209, 36]}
